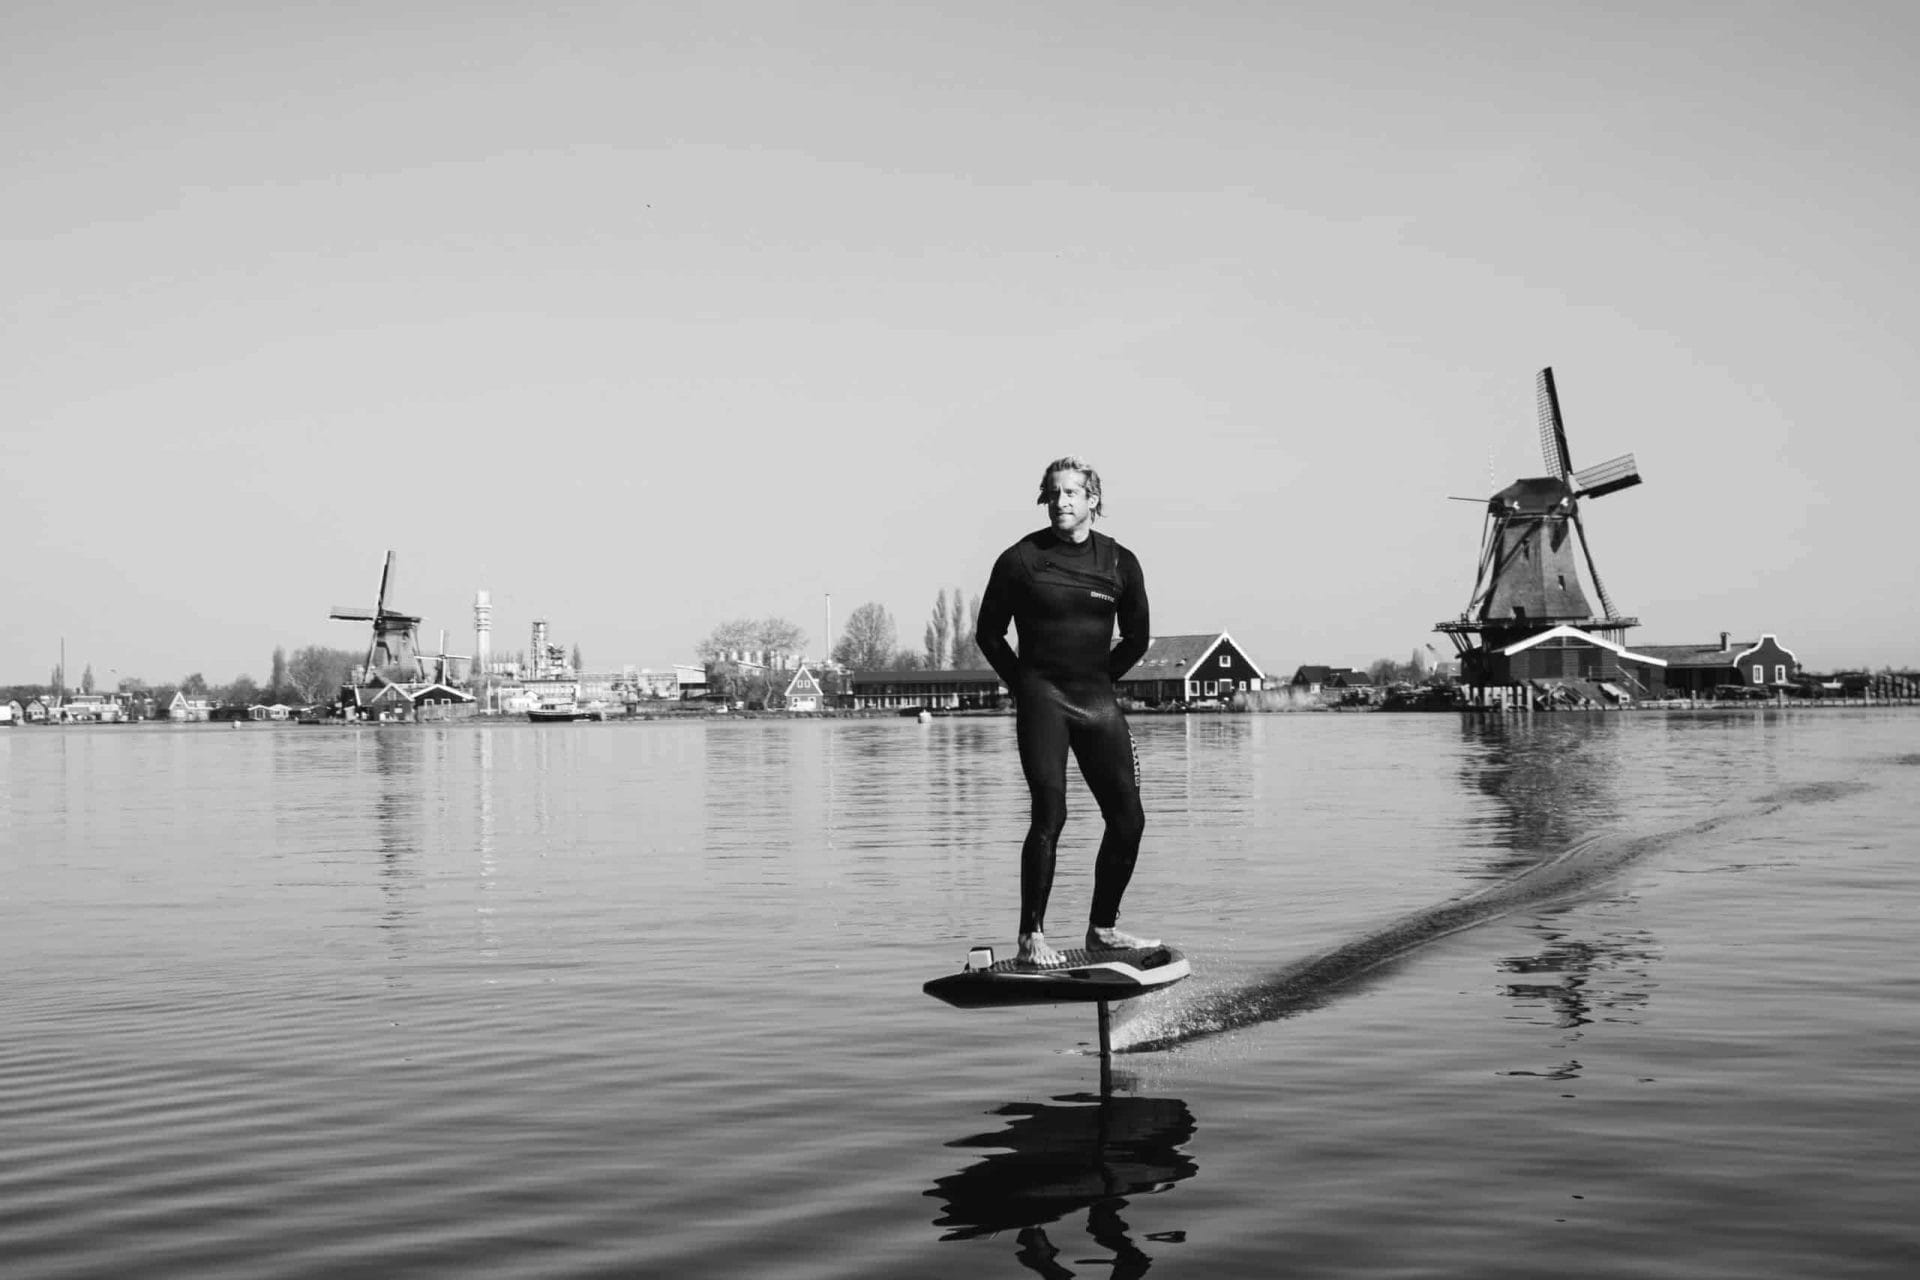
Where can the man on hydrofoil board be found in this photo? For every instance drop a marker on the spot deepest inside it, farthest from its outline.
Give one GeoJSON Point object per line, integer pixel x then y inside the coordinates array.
{"type": "Point", "coordinates": [1063, 588]}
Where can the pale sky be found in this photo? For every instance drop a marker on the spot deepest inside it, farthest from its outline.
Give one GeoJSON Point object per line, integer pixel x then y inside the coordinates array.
{"type": "Point", "coordinates": [647, 316]}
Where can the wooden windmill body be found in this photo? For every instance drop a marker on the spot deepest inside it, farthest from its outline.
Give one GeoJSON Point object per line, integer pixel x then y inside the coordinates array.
{"type": "Point", "coordinates": [1528, 579]}
{"type": "Point", "coordinates": [395, 640]}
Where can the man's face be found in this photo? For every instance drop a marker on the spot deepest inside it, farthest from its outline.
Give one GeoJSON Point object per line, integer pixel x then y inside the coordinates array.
{"type": "Point", "coordinates": [1068, 504]}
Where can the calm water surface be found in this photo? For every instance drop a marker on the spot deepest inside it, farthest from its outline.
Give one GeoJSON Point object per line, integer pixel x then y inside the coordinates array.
{"type": "Point", "coordinates": [1594, 996]}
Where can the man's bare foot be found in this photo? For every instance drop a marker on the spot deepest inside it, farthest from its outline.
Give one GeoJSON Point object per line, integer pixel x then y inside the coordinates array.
{"type": "Point", "coordinates": [1114, 940]}
{"type": "Point", "coordinates": [1035, 951]}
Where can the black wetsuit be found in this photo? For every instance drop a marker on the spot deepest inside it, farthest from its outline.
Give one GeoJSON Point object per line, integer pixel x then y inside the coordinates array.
{"type": "Point", "coordinates": [1064, 598]}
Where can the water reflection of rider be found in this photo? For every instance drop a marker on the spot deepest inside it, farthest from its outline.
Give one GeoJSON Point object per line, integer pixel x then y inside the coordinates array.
{"type": "Point", "coordinates": [1080, 1151]}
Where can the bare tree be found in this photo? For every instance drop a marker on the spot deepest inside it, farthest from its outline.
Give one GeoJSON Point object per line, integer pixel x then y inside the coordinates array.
{"type": "Point", "coordinates": [780, 637]}
{"type": "Point", "coordinates": [727, 638]}
{"type": "Point", "coordinates": [937, 640]}
{"type": "Point", "coordinates": [313, 673]}
{"type": "Point", "coordinates": [751, 635]}
{"type": "Point", "coordinates": [966, 654]}
{"type": "Point", "coordinates": [867, 644]}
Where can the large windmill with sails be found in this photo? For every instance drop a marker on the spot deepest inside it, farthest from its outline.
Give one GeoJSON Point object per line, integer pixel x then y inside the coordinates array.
{"type": "Point", "coordinates": [1527, 586]}
{"type": "Point", "coordinates": [395, 639]}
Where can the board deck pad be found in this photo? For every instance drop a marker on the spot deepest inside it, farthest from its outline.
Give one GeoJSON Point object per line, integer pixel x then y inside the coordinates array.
{"type": "Point", "coordinates": [1085, 976]}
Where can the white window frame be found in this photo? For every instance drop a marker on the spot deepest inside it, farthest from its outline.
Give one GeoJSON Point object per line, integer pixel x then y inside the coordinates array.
{"type": "Point", "coordinates": [1212, 689]}
{"type": "Point", "coordinates": [1759, 673]}
{"type": "Point", "coordinates": [1193, 688]}
{"type": "Point", "coordinates": [1780, 673]}
{"type": "Point", "coordinates": [1226, 659]}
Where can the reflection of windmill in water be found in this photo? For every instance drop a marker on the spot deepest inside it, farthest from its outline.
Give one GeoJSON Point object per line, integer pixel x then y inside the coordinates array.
{"type": "Point", "coordinates": [395, 641]}
{"type": "Point", "coordinates": [1529, 617]}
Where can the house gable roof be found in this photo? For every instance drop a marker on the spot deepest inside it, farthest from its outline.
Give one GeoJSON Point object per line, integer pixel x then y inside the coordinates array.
{"type": "Point", "coordinates": [1179, 657]}
{"type": "Point", "coordinates": [1691, 655]}
{"type": "Point", "coordinates": [1585, 637]}
{"type": "Point", "coordinates": [1761, 643]}
{"type": "Point", "coordinates": [368, 695]}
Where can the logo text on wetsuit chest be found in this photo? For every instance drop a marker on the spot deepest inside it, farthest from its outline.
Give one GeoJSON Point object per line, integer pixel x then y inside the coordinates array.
{"type": "Point", "coordinates": [1101, 595]}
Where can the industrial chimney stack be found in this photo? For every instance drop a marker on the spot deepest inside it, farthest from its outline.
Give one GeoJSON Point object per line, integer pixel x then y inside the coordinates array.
{"type": "Point", "coordinates": [483, 632]}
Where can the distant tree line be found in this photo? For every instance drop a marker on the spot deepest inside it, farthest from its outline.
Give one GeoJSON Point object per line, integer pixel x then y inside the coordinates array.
{"type": "Point", "coordinates": [311, 675]}
{"type": "Point", "coordinates": [871, 641]}
{"type": "Point", "coordinates": [750, 660]}
{"type": "Point", "coordinates": [1415, 670]}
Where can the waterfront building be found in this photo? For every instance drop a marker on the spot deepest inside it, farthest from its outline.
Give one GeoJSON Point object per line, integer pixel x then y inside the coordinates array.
{"type": "Point", "coordinates": [803, 692]}
{"type": "Point", "coordinates": [387, 700]}
{"type": "Point", "coordinates": [945, 690]}
{"type": "Point", "coordinates": [90, 708]}
{"type": "Point", "coordinates": [543, 691]}
{"type": "Point", "coordinates": [1699, 670]}
{"type": "Point", "coordinates": [1185, 669]}
{"type": "Point", "coordinates": [183, 707]}
{"type": "Point", "coordinates": [512, 700]}
{"type": "Point", "coordinates": [1569, 666]}
{"type": "Point", "coordinates": [1312, 678]}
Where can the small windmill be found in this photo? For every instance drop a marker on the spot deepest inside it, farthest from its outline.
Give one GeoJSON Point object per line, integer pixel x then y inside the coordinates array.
{"type": "Point", "coordinates": [1528, 579]}
{"type": "Point", "coordinates": [438, 667]}
{"type": "Point", "coordinates": [394, 633]}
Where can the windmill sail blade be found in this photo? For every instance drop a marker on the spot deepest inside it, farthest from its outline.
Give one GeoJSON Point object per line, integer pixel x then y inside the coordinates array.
{"type": "Point", "coordinates": [1586, 549]}
{"type": "Point", "coordinates": [1553, 432]}
{"type": "Point", "coordinates": [1606, 477]}
{"type": "Point", "coordinates": [386, 575]}
{"type": "Point", "coordinates": [1483, 577]}
{"type": "Point", "coordinates": [352, 613]}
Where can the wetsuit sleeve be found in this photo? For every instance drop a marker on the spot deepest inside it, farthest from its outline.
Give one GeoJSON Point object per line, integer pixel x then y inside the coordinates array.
{"type": "Point", "coordinates": [996, 612]}
{"type": "Point", "coordinates": [1131, 612]}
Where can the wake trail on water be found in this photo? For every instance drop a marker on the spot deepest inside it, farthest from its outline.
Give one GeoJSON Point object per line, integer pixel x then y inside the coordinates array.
{"type": "Point", "coordinates": [1318, 980]}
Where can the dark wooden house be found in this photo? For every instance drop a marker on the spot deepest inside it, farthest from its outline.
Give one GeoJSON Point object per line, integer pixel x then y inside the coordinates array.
{"type": "Point", "coordinates": [1312, 678]}
{"type": "Point", "coordinates": [1180, 670]}
{"type": "Point", "coordinates": [1603, 671]}
{"type": "Point", "coordinates": [1699, 670]}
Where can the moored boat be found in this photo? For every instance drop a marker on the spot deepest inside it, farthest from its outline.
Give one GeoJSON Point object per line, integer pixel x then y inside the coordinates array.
{"type": "Point", "coordinates": [564, 712]}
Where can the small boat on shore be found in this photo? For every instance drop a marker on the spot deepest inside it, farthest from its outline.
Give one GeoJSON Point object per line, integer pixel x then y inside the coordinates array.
{"type": "Point", "coordinates": [565, 712]}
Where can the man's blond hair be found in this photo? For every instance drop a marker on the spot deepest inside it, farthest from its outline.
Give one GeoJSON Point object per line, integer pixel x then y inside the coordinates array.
{"type": "Point", "coordinates": [1072, 462]}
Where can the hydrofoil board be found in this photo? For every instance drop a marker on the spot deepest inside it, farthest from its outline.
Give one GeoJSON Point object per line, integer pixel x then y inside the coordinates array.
{"type": "Point", "coordinates": [1085, 976]}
